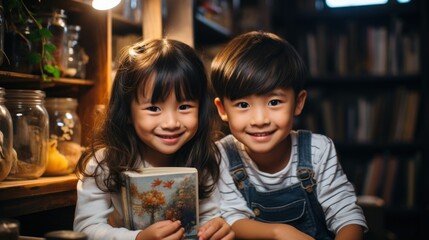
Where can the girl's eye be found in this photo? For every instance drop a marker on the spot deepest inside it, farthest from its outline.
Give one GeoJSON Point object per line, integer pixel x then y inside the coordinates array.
{"type": "Point", "coordinates": [273, 102]}
{"type": "Point", "coordinates": [153, 109]}
{"type": "Point", "coordinates": [184, 107]}
{"type": "Point", "coordinates": [243, 105]}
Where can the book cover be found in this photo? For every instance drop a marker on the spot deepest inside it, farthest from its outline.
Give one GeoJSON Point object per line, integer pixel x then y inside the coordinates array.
{"type": "Point", "coordinates": [162, 193]}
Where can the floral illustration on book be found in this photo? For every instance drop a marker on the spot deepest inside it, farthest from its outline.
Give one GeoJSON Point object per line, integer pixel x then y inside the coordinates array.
{"type": "Point", "coordinates": [170, 197]}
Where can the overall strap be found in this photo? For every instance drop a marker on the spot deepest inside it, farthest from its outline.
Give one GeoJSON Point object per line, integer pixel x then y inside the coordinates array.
{"type": "Point", "coordinates": [305, 175]}
{"type": "Point", "coordinates": [236, 167]}
{"type": "Point", "coordinates": [305, 171]}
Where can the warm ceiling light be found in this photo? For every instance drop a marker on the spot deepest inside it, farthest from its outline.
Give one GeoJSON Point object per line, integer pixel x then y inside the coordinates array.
{"type": "Point", "coordinates": [104, 4]}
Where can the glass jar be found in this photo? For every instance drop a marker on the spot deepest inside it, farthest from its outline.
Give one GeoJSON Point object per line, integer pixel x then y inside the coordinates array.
{"type": "Point", "coordinates": [31, 132]}
{"type": "Point", "coordinates": [72, 56]}
{"type": "Point", "coordinates": [56, 22]}
{"type": "Point", "coordinates": [6, 159]}
{"type": "Point", "coordinates": [64, 135]}
{"type": "Point", "coordinates": [2, 27]}
{"type": "Point", "coordinates": [18, 48]}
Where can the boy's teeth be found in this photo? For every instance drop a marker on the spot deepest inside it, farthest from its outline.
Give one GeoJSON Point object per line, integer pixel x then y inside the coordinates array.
{"type": "Point", "coordinates": [260, 134]}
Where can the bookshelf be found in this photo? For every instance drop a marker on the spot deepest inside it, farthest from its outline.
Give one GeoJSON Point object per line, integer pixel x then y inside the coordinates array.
{"type": "Point", "coordinates": [218, 21]}
{"type": "Point", "coordinates": [368, 90]}
{"type": "Point", "coordinates": [94, 38]}
{"type": "Point", "coordinates": [53, 198]}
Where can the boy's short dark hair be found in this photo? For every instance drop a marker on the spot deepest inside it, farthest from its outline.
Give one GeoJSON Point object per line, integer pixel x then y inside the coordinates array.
{"type": "Point", "coordinates": [258, 62]}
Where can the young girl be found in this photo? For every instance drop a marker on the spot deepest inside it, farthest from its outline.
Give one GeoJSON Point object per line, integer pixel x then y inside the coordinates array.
{"type": "Point", "coordinates": [159, 115]}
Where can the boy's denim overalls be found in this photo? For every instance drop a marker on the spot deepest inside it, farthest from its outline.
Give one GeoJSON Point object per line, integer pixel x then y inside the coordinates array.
{"type": "Point", "coordinates": [296, 205]}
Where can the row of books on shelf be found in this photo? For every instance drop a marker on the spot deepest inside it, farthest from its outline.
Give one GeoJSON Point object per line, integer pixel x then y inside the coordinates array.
{"type": "Point", "coordinates": [389, 117]}
{"type": "Point", "coordinates": [373, 50]}
{"type": "Point", "coordinates": [394, 179]}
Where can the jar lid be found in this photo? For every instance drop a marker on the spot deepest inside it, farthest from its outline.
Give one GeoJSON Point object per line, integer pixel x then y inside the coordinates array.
{"type": "Point", "coordinates": [61, 103]}
{"type": "Point", "coordinates": [24, 95]}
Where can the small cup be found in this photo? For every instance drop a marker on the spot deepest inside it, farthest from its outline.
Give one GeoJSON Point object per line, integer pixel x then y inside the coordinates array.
{"type": "Point", "coordinates": [65, 235]}
{"type": "Point", "coordinates": [9, 229]}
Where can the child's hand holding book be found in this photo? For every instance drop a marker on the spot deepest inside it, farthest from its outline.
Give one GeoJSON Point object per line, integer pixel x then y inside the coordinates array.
{"type": "Point", "coordinates": [162, 230]}
{"type": "Point", "coordinates": [217, 228]}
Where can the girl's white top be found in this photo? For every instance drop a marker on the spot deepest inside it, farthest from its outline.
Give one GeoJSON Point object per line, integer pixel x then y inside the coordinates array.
{"type": "Point", "coordinates": [99, 214]}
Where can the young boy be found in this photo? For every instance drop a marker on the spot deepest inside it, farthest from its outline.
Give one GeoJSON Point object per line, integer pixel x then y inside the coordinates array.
{"type": "Point", "coordinates": [277, 183]}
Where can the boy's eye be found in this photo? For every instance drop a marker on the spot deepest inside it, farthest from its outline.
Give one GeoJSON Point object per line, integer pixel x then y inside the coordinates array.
{"type": "Point", "coordinates": [242, 105]}
{"type": "Point", "coordinates": [273, 102]}
{"type": "Point", "coordinates": [153, 109]}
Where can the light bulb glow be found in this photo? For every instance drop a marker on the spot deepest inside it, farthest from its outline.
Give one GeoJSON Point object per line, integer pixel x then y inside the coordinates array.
{"type": "Point", "coordinates": [105, 4]}
{"type": "Point", "coordinates": [351, 3]}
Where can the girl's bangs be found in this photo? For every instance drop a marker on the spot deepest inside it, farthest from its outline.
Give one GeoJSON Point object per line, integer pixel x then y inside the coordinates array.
{"type": "Point", "coordinates": [163, 82]}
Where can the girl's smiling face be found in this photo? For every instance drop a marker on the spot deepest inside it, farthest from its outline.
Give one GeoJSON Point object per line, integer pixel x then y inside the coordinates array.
{"type": "Point", "coordinates": [164, 126]}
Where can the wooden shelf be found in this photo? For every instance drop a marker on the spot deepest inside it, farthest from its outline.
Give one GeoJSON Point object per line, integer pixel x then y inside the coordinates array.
{"type": "Point", "coordinates": [15, 77]}
{"type": "Point", "coordinates": [23, 197]}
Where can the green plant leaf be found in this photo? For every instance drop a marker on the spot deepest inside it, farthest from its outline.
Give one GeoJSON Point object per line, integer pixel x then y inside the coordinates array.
{"type": "Point", "coordinates": [17, 14]}
{"type": "Point", "coordinates": [49, 47]}
{"type": "Point", "coordinates": [53, 70]}
{"type": "Point", "coordinates": [49, 57]}
{"type": "Point", "coordinates": [35, 58]}
{"type": "Point", "coordinates": [44, 32]}
{"type": "Point", "coordinates": [48, 68]}
{"type": "Point", "coordinates": [56, 72]}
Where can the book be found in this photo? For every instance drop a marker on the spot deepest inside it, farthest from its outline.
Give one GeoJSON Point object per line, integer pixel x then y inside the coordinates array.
{"type": "Point", "coordinates": [411, 116]}
{"type": "Point", "coordinates": [400, 103]}
{"type": "Point", "coordinates": [312, 54]}
{"type": "Point", "coordinates": [413, 166]}
{"type": "Point", "coordinates": [390, 179]}
{"type": "Point", "coordinates": [373, 179]}
{"type": "Point", "coordinates": [161, 193]}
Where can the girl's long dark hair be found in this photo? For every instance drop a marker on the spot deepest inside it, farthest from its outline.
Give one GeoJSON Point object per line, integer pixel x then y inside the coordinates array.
{"type": "Point", "coordinates": [176, 67]}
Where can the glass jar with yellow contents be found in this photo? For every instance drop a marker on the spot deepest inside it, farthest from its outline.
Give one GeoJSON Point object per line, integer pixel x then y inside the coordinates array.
{"type": "Point", "coordinates": [30, 132]}
{"type": "Point", "coordinates": [64, 135]}
{"type": "Point", "coordinates": [6, 159]}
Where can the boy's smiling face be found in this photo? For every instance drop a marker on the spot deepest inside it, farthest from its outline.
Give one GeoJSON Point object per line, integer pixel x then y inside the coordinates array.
{"type": "Point", "coordinates": [262, 122]}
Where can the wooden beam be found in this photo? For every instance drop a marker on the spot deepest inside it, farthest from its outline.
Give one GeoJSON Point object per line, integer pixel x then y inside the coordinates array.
{"type": "Point", "coordinates": [152, 19]}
